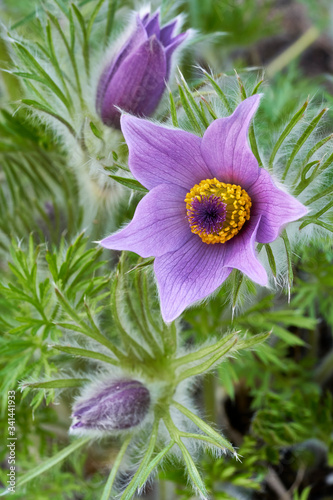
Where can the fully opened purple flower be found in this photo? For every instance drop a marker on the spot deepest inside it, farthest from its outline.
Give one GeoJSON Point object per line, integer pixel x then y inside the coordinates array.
{"type": "Point", "coordinates": [135, 79]}
{"type": "Point", "coordinates": [114, 406]}
{"type": "Point", "coordinates": [209, 202]}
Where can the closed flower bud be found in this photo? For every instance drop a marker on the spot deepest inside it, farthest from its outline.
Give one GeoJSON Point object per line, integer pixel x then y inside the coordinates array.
{"type": "Point", "coordinates": [111, 406]}
{"type": "Point", "coordinates": [135, 79]}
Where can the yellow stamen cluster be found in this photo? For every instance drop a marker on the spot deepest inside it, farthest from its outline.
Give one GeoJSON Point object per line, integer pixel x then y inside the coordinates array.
{"type": "Point", "coordinates": [238, 208]}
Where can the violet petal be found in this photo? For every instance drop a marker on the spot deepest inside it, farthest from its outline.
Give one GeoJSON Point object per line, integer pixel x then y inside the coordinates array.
{"type": "Point", "coordinates": [159, 155]}
{"type": "Point", "coordinates": [145, 19]}
{"type": "Point", "coordinates": [159, 224]}
{"type": "Point", "coordinates": [173, 45]}
{"type": "Point", "coordinates": [225, 146]}
{"type": "Point", "coordinates": [152, 26]}
{"type": "Point", "coordinates": [166, 32]}
{"type": "Point", "coordinates": [275, 207]}
{"type": "Point", "coordinates": [241, 253]}
{"type": "Point", "coordinates": [189, 274]}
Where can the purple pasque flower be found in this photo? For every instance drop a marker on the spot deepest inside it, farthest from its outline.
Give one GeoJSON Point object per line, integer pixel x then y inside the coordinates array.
{"type": "Point", "coordinates": [209, 202]}
{"type": "Point", "coordinates": [111, 406]}
{"type": "Point", "coordinates": [136, 78]}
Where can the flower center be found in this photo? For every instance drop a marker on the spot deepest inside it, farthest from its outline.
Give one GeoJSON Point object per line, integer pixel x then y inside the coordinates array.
{"type": "Point", "coordinates": [217, 211]}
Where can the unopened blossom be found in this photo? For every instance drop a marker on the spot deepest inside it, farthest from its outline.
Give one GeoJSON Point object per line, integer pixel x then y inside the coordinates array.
{"type": "Point", "coordinates": [136, 77]}
{"type": "Point", "coordinates": [111, 406]}
{"type": "Point", "coordinates": [209, 203]}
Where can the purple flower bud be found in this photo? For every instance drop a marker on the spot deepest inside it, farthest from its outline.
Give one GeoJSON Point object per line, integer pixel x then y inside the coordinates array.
{"type": "Point", "coordinates": [116, 405]}
{"type": "Point", "coordinates": [136, 78]}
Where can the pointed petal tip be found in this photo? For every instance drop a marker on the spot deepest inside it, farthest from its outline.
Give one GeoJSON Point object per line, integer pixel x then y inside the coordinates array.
{"type": "Point", "coordinates": [254, 99]}
{"type": "Point", "coordinates": [303, 209]}
{"type": "Point", "coordinates": [126, 119]}
{"type": "Point", "coordinates": [152, 24]}
{"type": "Point", "coordinates": [263, 278]}
{"type": "Point", "coordinates": [175, 43]}
{"type": "Point", "coordinates": [123, 119]}
{"type": "Point", "coordinates": [170, 312]}
{"type": "Point", "coordinates": [247, 108]}
{"type": "Point", "coordinates": [106, 242]}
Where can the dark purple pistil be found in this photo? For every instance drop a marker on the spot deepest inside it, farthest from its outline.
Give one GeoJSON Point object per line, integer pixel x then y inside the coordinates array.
{"type": "Point", "coordinates": [207, 214]}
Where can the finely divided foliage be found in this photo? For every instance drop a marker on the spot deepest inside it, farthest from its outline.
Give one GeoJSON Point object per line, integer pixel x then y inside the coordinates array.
{"type": "Point", "coordinates": [214, 204]}
{"type": "Point", "coordinates": [150, 351]}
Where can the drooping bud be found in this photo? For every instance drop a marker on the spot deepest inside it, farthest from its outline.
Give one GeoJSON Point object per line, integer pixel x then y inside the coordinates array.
{"type": "Point", "coordinates": [116, 405]}
{"type": "Point", "coordinates": [135, 79]}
